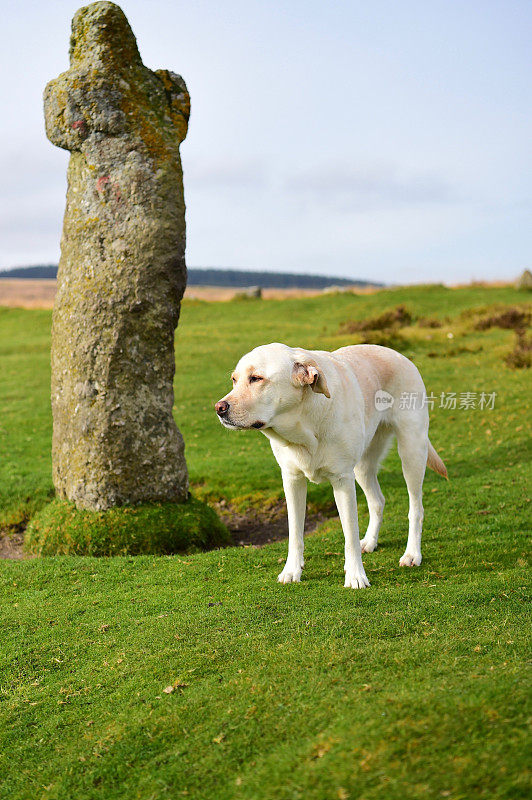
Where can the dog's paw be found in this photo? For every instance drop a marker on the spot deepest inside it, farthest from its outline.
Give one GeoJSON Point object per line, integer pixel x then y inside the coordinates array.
{"type": "Point", "coordinates": [356, 580]}
{"type": "Point", "coordinates": [368, 545]}
{"type": "Point", "coordinates": [410, 560]}
{"type": "Point", "coordinates": [290, 574]}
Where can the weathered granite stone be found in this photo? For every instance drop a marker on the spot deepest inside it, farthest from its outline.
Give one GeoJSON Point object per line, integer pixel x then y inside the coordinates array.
{"type": "Point", "coordinates": [122, 270]}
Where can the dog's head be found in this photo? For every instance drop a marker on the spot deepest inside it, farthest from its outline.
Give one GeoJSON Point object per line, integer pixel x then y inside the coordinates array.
{"type": "Point", "coordinates": [269, 381]}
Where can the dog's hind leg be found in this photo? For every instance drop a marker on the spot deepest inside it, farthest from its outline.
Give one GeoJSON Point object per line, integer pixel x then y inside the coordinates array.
{"type": "Point", "coordinates": [413, 442]}
{"type": "Point", "coordinates": [366, 476]}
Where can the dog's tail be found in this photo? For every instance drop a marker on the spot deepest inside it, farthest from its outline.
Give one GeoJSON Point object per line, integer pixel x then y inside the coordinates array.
{"type": "Point", "coordinates": [435, 463]}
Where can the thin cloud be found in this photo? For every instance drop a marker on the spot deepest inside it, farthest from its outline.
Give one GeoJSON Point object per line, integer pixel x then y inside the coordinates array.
{"type": "Point", "coordinates": [346, 188]}
{"type": "Point", "coordinates": [226, 174]}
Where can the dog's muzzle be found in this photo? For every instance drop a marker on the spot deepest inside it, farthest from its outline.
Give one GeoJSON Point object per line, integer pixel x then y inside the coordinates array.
{"type": "Point", "coordinates": [222, 408]}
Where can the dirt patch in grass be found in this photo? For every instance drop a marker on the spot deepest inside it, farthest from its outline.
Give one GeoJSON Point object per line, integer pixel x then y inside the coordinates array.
{"type": "Point", "coordinates": [12, 545]}
{"type": "Point", "coordinates": [255, 528]}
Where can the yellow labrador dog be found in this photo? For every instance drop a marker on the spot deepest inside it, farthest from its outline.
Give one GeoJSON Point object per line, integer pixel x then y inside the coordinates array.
{"type": "Point", "coordinates": [331, 417]}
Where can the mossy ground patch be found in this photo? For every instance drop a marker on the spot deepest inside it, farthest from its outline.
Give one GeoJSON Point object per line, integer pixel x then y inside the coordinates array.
{"type": "Point", "coordinates": [160, 528]}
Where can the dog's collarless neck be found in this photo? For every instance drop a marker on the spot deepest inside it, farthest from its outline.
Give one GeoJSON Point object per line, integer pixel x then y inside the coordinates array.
{"type": "Point", "coordinates": [293, 435]}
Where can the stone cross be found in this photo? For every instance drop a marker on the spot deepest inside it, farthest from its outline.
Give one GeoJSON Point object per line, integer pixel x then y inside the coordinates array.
{"type": "Point", "coordinates": [122, 270]}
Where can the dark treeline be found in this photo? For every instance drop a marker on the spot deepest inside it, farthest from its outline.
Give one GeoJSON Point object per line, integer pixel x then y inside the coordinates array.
{"type": "Point", "coordinates": [206, 276]}
{"type": "Point", "coordinates": [45, 271]}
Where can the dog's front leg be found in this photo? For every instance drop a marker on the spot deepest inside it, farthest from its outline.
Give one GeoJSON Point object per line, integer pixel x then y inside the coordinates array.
{"type": "Point", "coordinates": [346, 502]}
{"type": "Point", "coordinates": [295, 489]}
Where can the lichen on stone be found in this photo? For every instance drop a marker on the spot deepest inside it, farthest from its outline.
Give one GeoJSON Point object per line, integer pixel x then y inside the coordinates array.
{"type": "Point", "coordinates": [122, 270]}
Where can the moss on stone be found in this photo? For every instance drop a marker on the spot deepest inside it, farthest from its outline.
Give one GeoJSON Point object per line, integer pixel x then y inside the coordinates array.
{"type": "Point", "coordinates": [122, 270]}
{"type": "Point", "coordinates": [159, 528]}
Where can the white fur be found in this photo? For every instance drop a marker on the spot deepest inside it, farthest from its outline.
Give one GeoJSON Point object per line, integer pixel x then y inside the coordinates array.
{"type": "Point", "coordinates": [318, 411]}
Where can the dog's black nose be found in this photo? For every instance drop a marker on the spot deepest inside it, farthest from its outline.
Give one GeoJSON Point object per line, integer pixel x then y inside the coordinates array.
{"type": "Point", "coordinates": [222, 407]}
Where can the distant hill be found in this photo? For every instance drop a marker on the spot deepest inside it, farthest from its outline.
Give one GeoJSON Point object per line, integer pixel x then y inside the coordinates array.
{"type": "Point", "coordinates": [44, 271]}
{"type": "Point", "coordinates": [205, 276]}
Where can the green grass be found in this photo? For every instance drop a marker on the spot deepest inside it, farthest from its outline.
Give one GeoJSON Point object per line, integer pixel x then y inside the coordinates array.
{"type": "Point", "coordinates": [414, 688]}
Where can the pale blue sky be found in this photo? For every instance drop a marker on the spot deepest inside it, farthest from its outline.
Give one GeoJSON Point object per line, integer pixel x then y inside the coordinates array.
{"type": "Point", "coordinates": [385, 140]}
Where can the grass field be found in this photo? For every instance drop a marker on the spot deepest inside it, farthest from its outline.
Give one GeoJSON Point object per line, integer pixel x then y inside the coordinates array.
{"type": "Point", "coordinates": [414, 688]}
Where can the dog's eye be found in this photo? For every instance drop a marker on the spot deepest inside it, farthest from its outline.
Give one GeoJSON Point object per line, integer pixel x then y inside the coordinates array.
{"type": "Point", "coordinates": [233, 378]}
{"type": "Point", "coordinates": [255, 378]}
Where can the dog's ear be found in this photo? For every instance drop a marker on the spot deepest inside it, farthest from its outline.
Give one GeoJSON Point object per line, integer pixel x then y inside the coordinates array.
{"type": "Point", "coordinates": [309, 375]}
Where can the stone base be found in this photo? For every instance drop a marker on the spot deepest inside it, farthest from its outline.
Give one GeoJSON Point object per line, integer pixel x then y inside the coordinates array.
{"type": "Point", "coordinates": [160, 529]}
